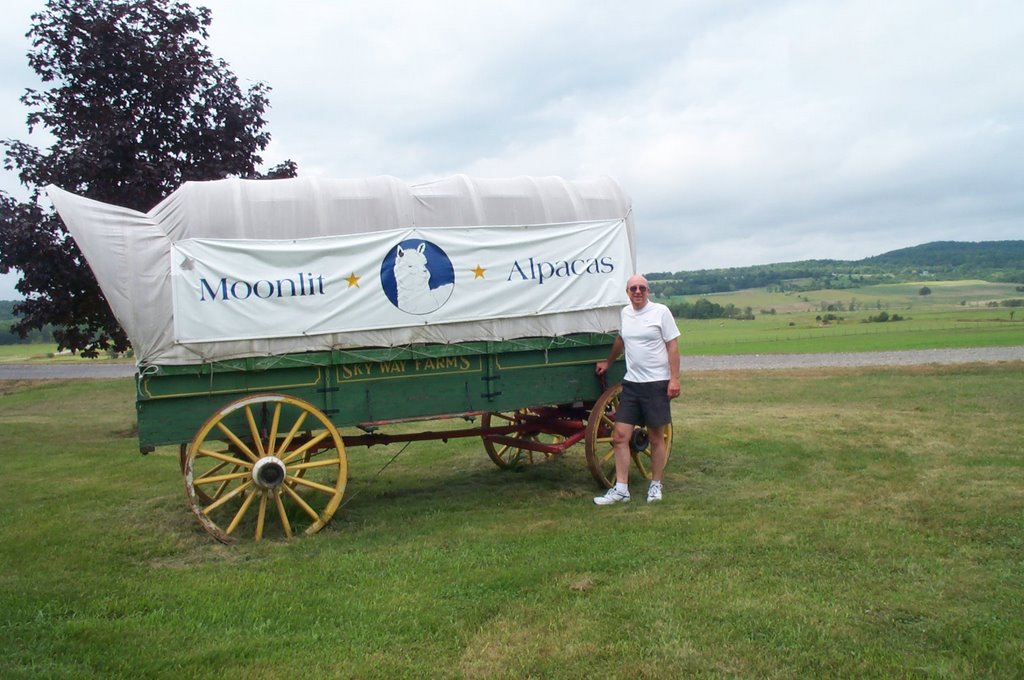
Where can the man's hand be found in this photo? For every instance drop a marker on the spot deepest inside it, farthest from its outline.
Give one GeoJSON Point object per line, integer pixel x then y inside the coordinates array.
{"type": "Point", "coordinates": [673, 388]}
{"type": "Point", "coordinates": [601, 368]}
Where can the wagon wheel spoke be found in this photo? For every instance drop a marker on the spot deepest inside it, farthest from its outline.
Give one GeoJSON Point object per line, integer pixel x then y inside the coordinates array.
{"type": "Point", "coordinates": [642, 461]}
{"type": "Point", "coordinates": [226, 497]}
{"type": "Point", "coordinates": [234, 439]}
{"type": "Point", "coordinates": [272, 437]}
{"type": "Point", "coordinates": [254, 432]}
{"type": "Point", "coordinates": [315, 464]}
{"type": "Point", "coordinates": [219, 491]}
{"type": "Point", "coordinates": [299, 481]}
{"type": "Point", "coordinates": [605, 452]}
{"type": "Point", "coordinates": [249, 498]}
{"type": "Point", "coordinates": [291, 434]}
{"type": "Point", "coordinates": [209, 466]}
{"type": "Point", "coordinates": [222, 479]}
{"type": "Point", "coordinates": [249, 455]}
{"type": "Point", "coordinates": [202, 480]}
{"type": "Point", "coordinates": [606, 417]}
{"type": "Point", "coordinates": [301, 451]}
{"type": "Point", "coordinates": [261, 516]}
{"type": "Point", "coordinates": [218, 467]}
{"type": "Point", "coordinates": [285, 524]}
{"type": "Point", "coordinates": [224, 458]}
{"type": "Point", "coordinates": [301, 503]}
{"type": "Point", "coordinates": [509, 455]}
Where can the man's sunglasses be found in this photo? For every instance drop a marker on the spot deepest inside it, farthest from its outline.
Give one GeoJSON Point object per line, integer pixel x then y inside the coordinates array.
{"type": "Point", "coordinates": [638, 289]}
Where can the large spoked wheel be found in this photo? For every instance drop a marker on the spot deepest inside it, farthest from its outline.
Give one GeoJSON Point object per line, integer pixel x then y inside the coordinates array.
{"type": "Point", "coordinates": [265, 466]}
{"type": "Point", "coordinates": [601, 455]}
{"type": "Point", "coordinates": [510, 452]}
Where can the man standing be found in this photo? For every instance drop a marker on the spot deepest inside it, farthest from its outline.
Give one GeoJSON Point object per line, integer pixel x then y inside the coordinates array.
{"type": "Point", "coordinates": [649, 337]}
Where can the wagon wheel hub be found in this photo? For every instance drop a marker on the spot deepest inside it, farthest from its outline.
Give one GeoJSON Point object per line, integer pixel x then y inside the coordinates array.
{"type": "Point", "coordinates": [639, 441]}
{"type": "Point", "coordinates": [268, 472]}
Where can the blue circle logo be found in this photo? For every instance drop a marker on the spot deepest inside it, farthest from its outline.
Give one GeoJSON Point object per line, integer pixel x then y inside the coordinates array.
{"type": "Point", "coordinates": [417, 276]}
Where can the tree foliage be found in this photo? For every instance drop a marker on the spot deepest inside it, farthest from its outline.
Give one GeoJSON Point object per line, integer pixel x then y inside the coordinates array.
{"type": "Point", "coordinates": [706, 309]}
{"type": "Point", "coordinates": [136, 105]}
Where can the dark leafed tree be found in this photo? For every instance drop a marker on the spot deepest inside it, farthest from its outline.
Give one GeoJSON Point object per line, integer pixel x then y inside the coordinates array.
{"type": "Point", "coordinates": [136, 105]}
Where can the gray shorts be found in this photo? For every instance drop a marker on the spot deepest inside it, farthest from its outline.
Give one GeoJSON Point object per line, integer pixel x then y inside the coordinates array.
{"type": "Point", "coordinates": [644, 404]}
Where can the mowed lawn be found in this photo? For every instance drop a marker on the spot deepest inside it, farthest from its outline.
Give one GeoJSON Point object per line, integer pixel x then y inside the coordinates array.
{"type": "Point", "coordinates": [817, 523]}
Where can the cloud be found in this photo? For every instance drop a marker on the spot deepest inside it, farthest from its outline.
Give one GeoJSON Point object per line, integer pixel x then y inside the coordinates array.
{"type": "Point", "coordinates": [746, 132]}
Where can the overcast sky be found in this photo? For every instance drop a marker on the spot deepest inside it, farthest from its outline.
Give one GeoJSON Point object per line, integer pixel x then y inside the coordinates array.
{"type": "Point", "coordinates": [746, 131]}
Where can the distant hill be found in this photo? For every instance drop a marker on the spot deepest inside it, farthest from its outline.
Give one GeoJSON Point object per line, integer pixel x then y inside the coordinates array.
{"type": "Point", "coordinates": [996, 261]}
{"type": "Point", "coordinates": [945, 255]}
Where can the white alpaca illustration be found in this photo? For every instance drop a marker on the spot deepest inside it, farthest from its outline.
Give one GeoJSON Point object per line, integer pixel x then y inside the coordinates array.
{"type": "Point", "coordinates": [412, 278]}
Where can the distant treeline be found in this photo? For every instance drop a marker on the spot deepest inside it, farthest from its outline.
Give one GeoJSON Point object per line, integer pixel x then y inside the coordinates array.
{"type": "Point", "coordinates": [706, 309]}
{"type": "Point", "coordinates": [994, 261]}
{"type": "Point", "coordinates": [8, 338]}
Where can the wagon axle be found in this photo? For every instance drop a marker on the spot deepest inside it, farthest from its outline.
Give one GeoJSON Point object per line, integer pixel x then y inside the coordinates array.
{"type": "Point", "coordinates": [268, 472]}
{"type": "Point", "coordinates": [639, 440]}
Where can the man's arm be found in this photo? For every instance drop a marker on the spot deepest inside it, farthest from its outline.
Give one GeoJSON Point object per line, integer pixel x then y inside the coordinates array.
{"type": "Point", "coordinates": [617, 347]}
{"type": "Point", "coordinates": [672, 347]}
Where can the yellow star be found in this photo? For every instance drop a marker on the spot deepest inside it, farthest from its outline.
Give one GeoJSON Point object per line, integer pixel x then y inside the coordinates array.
{"type": "Point", "coordinates": [478, 273]}
{"type": "Point", "coordinates": [353, 280]}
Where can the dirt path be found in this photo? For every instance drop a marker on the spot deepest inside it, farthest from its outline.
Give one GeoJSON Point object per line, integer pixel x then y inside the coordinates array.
{"type": "Point", "coordinates": [840, 360]}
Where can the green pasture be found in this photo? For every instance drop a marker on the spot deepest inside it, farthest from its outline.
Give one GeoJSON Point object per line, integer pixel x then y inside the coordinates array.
{"type": "Point", "coordinates": [894, 296]}
{"type": "Point", "coordinates": [44, 353]}
{"type": "Point", "coordinates": [800, 333]}
{"type": "Point", "coordinates": [26, 352]}
{"type": "Point", "coordinates": [822, 523]}
{"type": "Point", "coordinates": [954, 314]}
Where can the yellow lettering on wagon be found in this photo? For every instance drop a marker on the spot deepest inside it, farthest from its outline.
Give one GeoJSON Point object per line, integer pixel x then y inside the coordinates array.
{"type": "Point", "coordinates": [392, 367]}
{"type": "Point", "coordinates": [349, 371]}
{"type": "Point", "coordinates": [443, 363]}
{"type": "Point", "coordinates": [404, 367]}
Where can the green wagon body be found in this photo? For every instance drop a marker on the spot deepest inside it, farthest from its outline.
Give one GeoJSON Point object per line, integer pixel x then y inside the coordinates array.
{"type": "Point", "coordinates": [368, 387]}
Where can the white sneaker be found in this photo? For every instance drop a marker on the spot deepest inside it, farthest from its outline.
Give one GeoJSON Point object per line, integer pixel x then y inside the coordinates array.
{"type": "Point", "coordinates": [654, 493]}
{"type": "Point", "coordinates": [612, 496]}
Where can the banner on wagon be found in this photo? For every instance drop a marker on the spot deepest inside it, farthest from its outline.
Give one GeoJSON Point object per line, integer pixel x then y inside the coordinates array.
{"type": "Point", "coordinates": [250, 289]}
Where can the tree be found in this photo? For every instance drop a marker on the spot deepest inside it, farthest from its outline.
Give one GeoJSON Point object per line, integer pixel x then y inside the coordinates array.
{"type": "Point", "coordinates": [136, 105]}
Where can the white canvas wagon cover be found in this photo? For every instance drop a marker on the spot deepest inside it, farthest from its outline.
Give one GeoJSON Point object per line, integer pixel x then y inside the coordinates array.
{"type": "Point", "coordinates": [236, 268]}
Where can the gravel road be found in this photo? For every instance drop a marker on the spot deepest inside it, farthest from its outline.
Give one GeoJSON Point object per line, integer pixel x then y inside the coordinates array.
{"type": "Point", "coordinates": [690, 363]}
{"type": "Point", "coordinates": [65, 370]}
{"type": "Point", "coordinates": [850, 359]}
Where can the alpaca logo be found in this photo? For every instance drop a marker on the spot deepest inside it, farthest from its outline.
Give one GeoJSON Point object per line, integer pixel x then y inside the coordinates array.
{"type": "Point", "coordinates": [417, 276]}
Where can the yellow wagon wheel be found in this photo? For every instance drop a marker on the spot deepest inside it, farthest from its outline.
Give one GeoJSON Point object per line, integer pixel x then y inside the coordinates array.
{"type": "Point", "coordinates": [264, 466]}
{"type": "Point", "coordinates": [600, 455]}
{"type": "Point", "coordinates": [508, 454]}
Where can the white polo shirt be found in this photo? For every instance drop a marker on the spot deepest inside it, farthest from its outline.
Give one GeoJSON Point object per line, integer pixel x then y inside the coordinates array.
{"type": "Point", "coordinates": [644, 333]}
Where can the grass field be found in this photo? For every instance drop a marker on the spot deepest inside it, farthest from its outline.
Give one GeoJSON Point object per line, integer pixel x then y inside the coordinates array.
{"type": "Point", "coordinates": [864, 523]}
{"type": "Point", "coordinates": [44, 353]}
{"type": "Point", "coordinates": [955, 314]}
{"type": "Point", "coordinates": [27, 352]}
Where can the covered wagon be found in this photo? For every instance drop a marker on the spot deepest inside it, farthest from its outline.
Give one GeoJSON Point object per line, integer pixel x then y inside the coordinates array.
{"type": "Point", "coordinates": [277, 324]}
